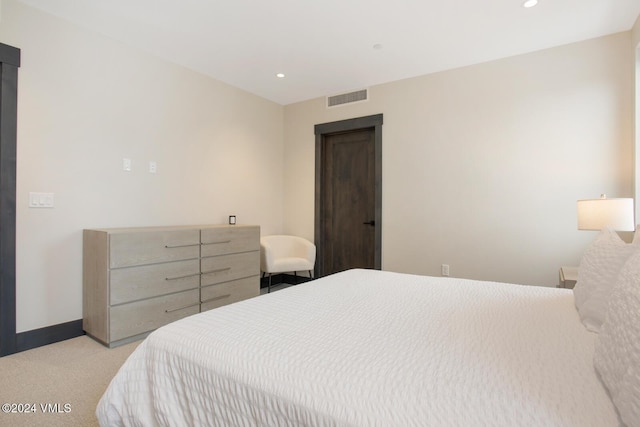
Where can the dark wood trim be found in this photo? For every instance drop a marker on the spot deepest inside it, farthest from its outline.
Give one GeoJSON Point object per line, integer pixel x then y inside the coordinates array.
{"type": "Point", "coordinates": [9, 55]}
{"type": "Point", "coordinates": [9, 63]}
{"type": "Point", "coordinates": [279, 278]}
{"type": "Point", "coordinates": [321, 130]}
{"type": "Point", "coordinates": [49, 335]}
{"type": "Point", "coordinates": [347, 125]}
{"type": "Point", "coordinates": [276, 279]}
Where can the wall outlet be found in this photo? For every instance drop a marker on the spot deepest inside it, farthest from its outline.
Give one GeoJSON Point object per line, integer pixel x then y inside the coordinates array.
{"type": "Point", "coordinates": [153, 166]}
{"type": "Point", "coordinates": [126, 165]}
{"type": "Point", "coordinates": [445, 269]}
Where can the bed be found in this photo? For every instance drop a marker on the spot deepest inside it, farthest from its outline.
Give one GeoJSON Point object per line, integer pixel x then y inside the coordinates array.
{"type": "Point", "coordinates": [370, 348]}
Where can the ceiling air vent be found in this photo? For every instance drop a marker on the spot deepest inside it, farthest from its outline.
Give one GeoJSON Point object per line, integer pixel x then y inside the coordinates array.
{"type": "Point", "coordinates": [347, 98]}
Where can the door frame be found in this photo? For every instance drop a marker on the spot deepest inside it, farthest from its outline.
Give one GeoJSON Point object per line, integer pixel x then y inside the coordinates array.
{"type": "Point", "coordinates": [321, 132]}
{"type": "Point", "coordinates": [9, 63]}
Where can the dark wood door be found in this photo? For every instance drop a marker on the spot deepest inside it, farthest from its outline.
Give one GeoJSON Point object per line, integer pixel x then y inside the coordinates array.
{"type": "Point", "coordinates": [348, 200]}
{"type": "Point", "coordinates": [348, 206]}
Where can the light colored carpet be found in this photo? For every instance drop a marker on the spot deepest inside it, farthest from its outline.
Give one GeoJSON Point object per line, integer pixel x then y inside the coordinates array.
{"type": "Point", "coordinates": [72, 374]}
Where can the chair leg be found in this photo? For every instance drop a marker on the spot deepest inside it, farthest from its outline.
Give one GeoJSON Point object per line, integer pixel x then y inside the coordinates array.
{"type": "Point", "coordinates": [269, 287]}
{"type": "Point", "coordinates": [295, 277]}
{"type": "Point", "coordinates": [310, 274]}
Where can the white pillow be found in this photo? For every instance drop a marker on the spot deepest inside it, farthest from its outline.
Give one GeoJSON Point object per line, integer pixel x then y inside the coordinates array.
{"type": "Point", "coordinates": [597, 274]}
{"type": "Point", "coordinates": [617, 351]}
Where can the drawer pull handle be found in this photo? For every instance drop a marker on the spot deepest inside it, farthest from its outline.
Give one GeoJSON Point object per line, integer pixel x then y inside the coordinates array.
{"type": "Point", "coordinates": [182, 277]}
{"type": "Point", "coordinates": [171, 310]}
{"type": "Point", "coordinates": [220, 270]}
{"type": "Point", "coordinates": [221, 242]}
{"type": "Point", "coordinates": [216, 298]}
{"type": "Point", "coordinates": [181, 246]}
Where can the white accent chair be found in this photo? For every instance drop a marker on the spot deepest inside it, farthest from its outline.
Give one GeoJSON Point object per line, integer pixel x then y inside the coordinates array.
{"type": "Point", "coordinates": [283, 254]}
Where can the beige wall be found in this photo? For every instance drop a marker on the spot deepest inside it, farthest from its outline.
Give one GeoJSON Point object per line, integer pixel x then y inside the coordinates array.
{"type": "Point", "coordinates": [85, 103]}
{"type": "Point", "coordinates": [482, 166]}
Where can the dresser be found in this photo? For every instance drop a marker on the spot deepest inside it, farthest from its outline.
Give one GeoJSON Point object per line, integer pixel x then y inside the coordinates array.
{"type": "Point", "coordinates": [138, 279]}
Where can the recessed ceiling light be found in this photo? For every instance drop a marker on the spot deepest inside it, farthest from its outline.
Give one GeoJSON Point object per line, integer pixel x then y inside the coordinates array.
{"type": "Point", "coordinates": [530, 3]}
{"type": "Point", "coordinates": [280, 75]}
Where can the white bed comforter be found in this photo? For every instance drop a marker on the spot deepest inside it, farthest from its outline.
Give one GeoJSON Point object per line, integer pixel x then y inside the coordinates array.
{"type": "Point", "coordinates": [369, 348]}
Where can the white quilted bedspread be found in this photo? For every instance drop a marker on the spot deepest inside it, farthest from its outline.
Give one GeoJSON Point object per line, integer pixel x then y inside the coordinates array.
{"type": "Point", "coordinates": [369, 348]}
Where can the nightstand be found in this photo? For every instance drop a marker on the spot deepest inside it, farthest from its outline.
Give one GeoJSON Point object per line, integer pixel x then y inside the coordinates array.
{"type": "Point", "coordinates": [568, 277]}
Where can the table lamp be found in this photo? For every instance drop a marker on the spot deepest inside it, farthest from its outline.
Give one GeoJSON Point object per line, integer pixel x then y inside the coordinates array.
{"type": "Point", "coordinates": [596, 214]}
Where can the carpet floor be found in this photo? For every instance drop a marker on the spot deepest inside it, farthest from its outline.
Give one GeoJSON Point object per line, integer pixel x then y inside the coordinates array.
{"type": "Point", "coordinates": [59, 384]}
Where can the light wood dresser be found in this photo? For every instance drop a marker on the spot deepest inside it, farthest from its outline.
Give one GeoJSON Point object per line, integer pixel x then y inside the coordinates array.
{"type": "Point", "coordinates": [138, 279]}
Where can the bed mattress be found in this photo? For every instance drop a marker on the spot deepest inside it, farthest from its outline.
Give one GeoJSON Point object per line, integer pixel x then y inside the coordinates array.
{"type": "Point", "coordinates": [369, 348]}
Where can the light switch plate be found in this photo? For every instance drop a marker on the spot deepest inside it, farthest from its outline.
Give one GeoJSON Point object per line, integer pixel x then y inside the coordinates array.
{"type": "Point", "coordinates": [41, 200]}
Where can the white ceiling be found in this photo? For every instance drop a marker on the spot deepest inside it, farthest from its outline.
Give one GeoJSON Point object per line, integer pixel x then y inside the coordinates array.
{"type": "Point", "coordinates": [327, 46]}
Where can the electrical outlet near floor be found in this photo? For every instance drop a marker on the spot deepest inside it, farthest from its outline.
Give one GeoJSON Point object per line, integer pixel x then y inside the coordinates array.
{"type": "Point", "coordinates": [445, 269]}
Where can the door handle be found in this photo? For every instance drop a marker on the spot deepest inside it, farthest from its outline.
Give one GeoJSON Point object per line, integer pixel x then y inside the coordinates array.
{"type": "Point", "coordinates": [371, 223]}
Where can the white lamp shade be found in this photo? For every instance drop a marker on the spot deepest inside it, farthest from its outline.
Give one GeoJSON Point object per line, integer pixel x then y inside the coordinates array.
{"type": "Point", "coordinates": [596, 214]}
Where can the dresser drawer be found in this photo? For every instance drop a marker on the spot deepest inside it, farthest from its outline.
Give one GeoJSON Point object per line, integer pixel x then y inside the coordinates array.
{"type": "Point", "coordinates": [149, 247]}
{"type": "Point", "coordinates": [228, 292]}
{"type": "Point", "coordinates": [135, 283]}
{"type": "Point", "coordinates": [224, 268]}
{"type": "Point", "coordinates": [231, 239]}
{"type": "Point", "coordinates": [137, 279]}
{"type": "Point", "coordinates": [143, 316]}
